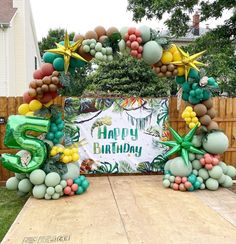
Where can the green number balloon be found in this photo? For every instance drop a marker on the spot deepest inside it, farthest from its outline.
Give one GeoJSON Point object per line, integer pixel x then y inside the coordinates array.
{"type": "Point", "coordinates": [16, 137]}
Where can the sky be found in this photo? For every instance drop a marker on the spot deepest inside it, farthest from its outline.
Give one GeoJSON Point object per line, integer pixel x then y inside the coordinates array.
{"type": "Point", "coordinates": [81, 16]}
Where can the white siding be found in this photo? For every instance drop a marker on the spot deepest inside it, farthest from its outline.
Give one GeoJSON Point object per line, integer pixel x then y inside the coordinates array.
{"type": "Point", "coordinates": [18, 48]}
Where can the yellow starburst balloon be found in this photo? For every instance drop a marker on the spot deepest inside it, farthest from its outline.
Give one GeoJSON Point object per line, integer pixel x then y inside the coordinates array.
{"type": "Point", "coordinates": [188, 61]}
{"type": "Point", "coordinates": [68, 51]}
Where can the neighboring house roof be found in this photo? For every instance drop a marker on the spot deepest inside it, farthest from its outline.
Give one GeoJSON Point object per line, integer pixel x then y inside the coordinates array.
{"type": "Point", "coordinates": [7, 11]}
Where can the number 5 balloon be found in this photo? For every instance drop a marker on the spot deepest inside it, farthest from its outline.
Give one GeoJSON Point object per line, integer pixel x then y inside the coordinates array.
{"type": "Point", "coordinates": [16, 137]}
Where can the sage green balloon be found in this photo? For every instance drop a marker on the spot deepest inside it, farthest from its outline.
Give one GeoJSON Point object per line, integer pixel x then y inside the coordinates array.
{"type": "Point", "coordinates": [212, 184]}
{"type": "Point", "coordinates": [166, 183]}
{"type": "Point", "coordinates": [39, 191]}
{"type": "Point", "coordinates": [52, 179]}
{"type": "Point", "coordinates": [228, 182]}
{"type": "Point", "coordinates": [195, 172]}
{"type": "Point", "coordinates": [63, 183]}
{"type": "Point", "coordinates": [203, 186]}
{"type": "Point", "coordinates": [12, 184]}
{"type": "Point", "coordinates": [203, 173]}
{"type": "Point", "coordinates": [56, 196]}
{"type": "Point", "coordinates": [231, 171]}
{"type": "Point", "coordinates": [121, 45]}
{"type": "Point", "coordinates": [50, 190]}
{"type": "Point", "coordinates": [172, 179]}
{"type": "Point", "coordinates": [191, 156]}
{"type": "Point", "coordinates": [216, 142]}
{"type": "Point", "coordinates": [152, 52]}
{"type": "Point", "coordinates": [199, 156]}
{"type": "Point", "coordinates": [58, 188]}
{"type": "Point", "coordinates": [20, 176]}
{"type": "Point", "coordinates": [123, 31]}
{"type": "Point", "coordinates": [197, 140]}
{"type": "Point", "coordinates": [47, 197]}
{"type": "Point", "coordinates": [216, 172]}
{"type": "Point", "coordinates": [179, 168]}
{"type": "Point", "coordinates": [221, 180]}
{"type": "Point", "coordinates": [73, 171]}
{"type": "Point", "coordinates": [196, 164]}
{"type": "Point", "coordinates": [224, 167]}
{"type": "Point", "coordinates": [167, 165]}
{"type": "Point", "coordinates": [37, 176]}
{"type": "Point", "coordinates": [25, 185]}
{"type": "Point", "coordinates": [145, 33]}
{"type": "Point", "coordinates": [199, 178]}
{"type": "Point", "coordinates": [166, 176]}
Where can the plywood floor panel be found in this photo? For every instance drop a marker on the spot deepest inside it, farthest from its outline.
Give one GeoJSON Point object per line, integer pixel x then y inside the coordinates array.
{"type": "Point", "coordinates": [126, 209]}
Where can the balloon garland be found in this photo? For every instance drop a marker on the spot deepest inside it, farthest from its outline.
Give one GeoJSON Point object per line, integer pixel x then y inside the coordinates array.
{"type": "Point", "coordinates": [47, 165]}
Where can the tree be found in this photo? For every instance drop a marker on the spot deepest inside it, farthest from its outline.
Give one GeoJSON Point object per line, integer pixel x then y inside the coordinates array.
{"type": "Point", "coordinates": [54, 35]}
{"type": "Point", "coordinates": [180, 11]}
{"type": "Point", "coordinates": [127, 76]}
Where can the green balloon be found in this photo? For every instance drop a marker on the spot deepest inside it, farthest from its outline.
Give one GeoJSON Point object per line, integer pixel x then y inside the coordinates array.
{"type": "Point", "coordinates": [37, 176]}
{"type": "Point", "coordinates": [72, 173]}
{"type": "Point", "coordinates": [49, 57]}
{"type": "Point", "coordinates": [58, 64]}
{"type": "Point", "coordinates": [223, 166]}
{"type": "Point", "coordinates": [63, 183]}
{"type": "Point", "coordinates": [56, 196]}
{"type": "Point", "coordinates": [180, 79]}
{"type": "Point", "coordinates": [216, 172]}
{"type": "Point", "coordinates": [79, 191]}
{"type": "Point", "coordinates": [196, 164]}
{"type": "Point", "coordinates": [58, 188]}
{"type": "Point", "coordinates": [47, 197]}
{"type": "Point", "coordinates": [77, 63]}
{"type": "Point", "coordinates": [212, 184]}
{"type": "Point", "coordinates": [39, 191]}
{"type": "Point", "coordinates": [50, 190]}
{"type": "Point", "coordinates": [16, 137]}
{"type": "Point", "coordinates": [12, 183]}
{"type": "Point", "coordinates": [179, 168]}
{"type": "Point", "coordinates": [166, 183]}
{"type": "Point", "coordinates": [152, 52]}
{"type": "Point", "coordinates": [221, 180]}
{"type": "Point", "coordinates": [52, 179]}
{"type": "Point", "coordinates": [203, 173]}
{"type": "Point", "coordinates": [228, 182]}
{"type": "Point", "coordinates": [231, 171]}
{"type": "Point", "coordinates": [145, 33]}
{"type": "Point", "coordinates": [85, 184]}
{"type": "Point", "coordinates": [25, 186]}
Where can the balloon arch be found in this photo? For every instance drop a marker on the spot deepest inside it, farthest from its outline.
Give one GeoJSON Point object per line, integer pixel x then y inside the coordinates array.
{"type": "Point", "coordinates": [46, 164]}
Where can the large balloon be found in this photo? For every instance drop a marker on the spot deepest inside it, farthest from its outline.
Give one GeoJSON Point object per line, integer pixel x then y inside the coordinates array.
{"type": "Point", "coordinates": [152, 52]}
{"type": "Point", "coordinates": [16, 137]}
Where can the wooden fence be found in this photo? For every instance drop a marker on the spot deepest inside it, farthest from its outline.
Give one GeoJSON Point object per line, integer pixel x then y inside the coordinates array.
{"type": "Point", "coordinates": [226, 108]}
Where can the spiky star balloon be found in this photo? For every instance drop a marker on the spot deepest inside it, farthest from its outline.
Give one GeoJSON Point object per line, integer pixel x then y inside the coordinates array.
{"type": "Point", "coordinates": [67, 51]}
{"type": "Point", "coordinates": [182, 144]}
{"type": "Point", "coordinates": [188, 61]}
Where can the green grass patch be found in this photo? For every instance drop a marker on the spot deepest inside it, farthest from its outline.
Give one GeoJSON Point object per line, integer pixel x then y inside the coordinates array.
{"type": "Point", "coordinates": [10, 206]}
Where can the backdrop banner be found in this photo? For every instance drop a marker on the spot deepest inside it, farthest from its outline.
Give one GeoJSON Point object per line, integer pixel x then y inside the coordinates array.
{"type": "Point", "coordinates": [119, 135]}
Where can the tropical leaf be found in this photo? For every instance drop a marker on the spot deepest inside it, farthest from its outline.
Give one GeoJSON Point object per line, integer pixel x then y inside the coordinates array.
{"type": "Point", "coordinates": [163, 112]}
{"type": "Point", "coordinates": [144, 167]}
{"type": "Point", "coordinates": [106, 168]}
{"type": "Point", "coordinates": [72, 134]}
{"type": "Point", "coordinates": [158, 163]}
{"type": "Point", "coordinates": [51, 166]}
{"type": "Point", "coordinates": [112, 41]}
{"type": "Point", "coordinates": [103, 103]}
{"type": "Point", "coordinates": [124, 167]}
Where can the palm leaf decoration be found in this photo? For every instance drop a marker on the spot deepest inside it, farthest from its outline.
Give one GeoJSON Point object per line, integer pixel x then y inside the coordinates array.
{"type": "Point", "coordinates": [158, 163]}
{"type": "Point", "coordinates": [112, 41]}
{"type": "Point", "coordinates": [163, 112]}
{"type": "Point", "coordinates": [124, 167]}
{"type": "Point", "coordinates": [72, 134]}
{"type": "Point", "coordinates": [144, 167]}
{"type": "Point", "coordinates": [106, 168]}
{"type": "Point", "coordinates": [49, 112]}
{"type": "Point", "coordinates": [103, 103]}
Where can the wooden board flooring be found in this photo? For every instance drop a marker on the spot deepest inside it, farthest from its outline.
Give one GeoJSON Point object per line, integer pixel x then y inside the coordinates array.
{"type": "Point", "coordinates": [128, 209]}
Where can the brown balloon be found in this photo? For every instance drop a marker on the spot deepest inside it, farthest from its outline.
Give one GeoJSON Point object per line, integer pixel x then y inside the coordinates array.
{"type": "Point", "coordinates": [78, 37]}
{"type": "Point", "coordinates": [158, 70]}
{"type": "Point", "coordinates": [86, 56]}
{"type": "Point", "coordinates": [52, 88]}
{"type": "Point", "coordinates": [100, 30]}
{"type": "Point", "coordinates": [33, 84]}
{"type": "Point", "coordinates": [160, 74]}
{"type": "Point", "coordinates": [205, 120]}
{"type": "Point", "coordinates": [168, 74]}
{"type": "Point", "coordinates": [39, 90]}
{"type": "Point", "coordinates": [55, 80]}
{"type": "Point", "coordinates": [208, 103]}
{"type": "Point", "coordinates": [111, 30]}
{"type": "Point", "coordinates": [158, 64]}
{"type": "Point", "coordinates": [170, 67]}
{"type": "Point", "coordinates": [39, 83]}
{"type": "Point", "coordinates": [102, 38]}
{"type": "Point", "coordinates": [200, 110]}
{"type": "Point", "coordinates": [91, 35]}
{"type": "Point", "coordinates": [163, 68]}
{"type": "Point", "coordinates": [32, 92]}
{"type": "Point", "coordinates": [175, 72]}
{"type": "Point", "coordinates": [46, 80]}
{"type": "Point", "coordinates": [213, 126]}
{"type": "Point", "coordinates": [45, 88]}
{"type": "Point", "coordinates": [211, 112]}
{"type": "Point", "coordinates": [55, 73]}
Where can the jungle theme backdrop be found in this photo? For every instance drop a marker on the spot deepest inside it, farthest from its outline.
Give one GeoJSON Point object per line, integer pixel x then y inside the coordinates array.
{"type": "Point", "coordinates": [121, 135]}
{"type": "Point", "coordinates": [47, 163]}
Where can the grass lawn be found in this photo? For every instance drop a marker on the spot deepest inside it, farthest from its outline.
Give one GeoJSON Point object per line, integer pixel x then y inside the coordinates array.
{"type": "Point", "coordinates": [10, 206]}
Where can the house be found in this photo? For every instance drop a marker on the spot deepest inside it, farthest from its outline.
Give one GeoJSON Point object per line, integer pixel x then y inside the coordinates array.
{"type": "Point", "coordinates": [19, 52]}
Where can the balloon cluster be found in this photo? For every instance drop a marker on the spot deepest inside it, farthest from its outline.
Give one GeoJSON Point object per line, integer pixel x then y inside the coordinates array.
{"type": "Point", "coordinates": [48, 186]}
{"type": "Point", "coordinates": [133, 41]}
{"type": "Point", "coordinates": [76, 186]}
{"type": "Point", "coordinates": [97, 50]}
{"type": "Point", "coordinates": [206, 113]}
{"type": "Point", "coordinates": [209, 161]}
{"type": "Point", "coordinates": [56, 133]}
{"type": "Point", "coordinates": [28, 109]}
{"type": "Point", "coordinates": [190, 117]}
{"type": "Point", "coordinates": [68, 154]}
